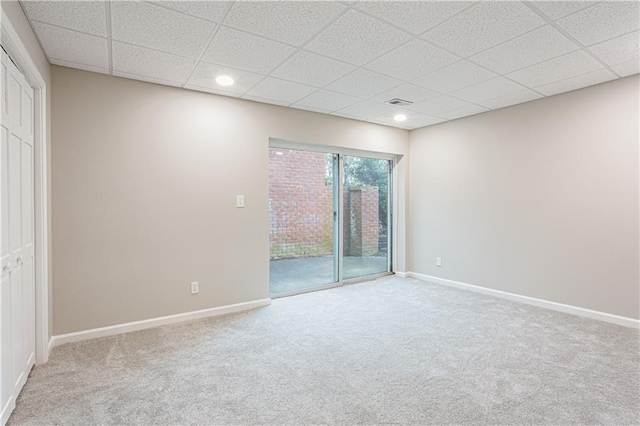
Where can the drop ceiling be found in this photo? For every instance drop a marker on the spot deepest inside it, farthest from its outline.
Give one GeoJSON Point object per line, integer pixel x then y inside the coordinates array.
{"type": "Point", "coordinates": [450, 59]}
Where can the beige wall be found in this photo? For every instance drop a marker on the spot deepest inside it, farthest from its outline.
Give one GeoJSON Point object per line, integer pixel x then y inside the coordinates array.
{"type": "Point", "coordinates": [539, 199]}
{"type": "Point", "coordinates": [145, 179]}
{"type": "Point", "coordinates": [20, 23]}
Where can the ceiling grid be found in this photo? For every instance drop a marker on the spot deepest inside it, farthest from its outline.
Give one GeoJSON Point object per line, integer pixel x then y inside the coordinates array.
{"type": "Point", "coordinates": [450, 59]}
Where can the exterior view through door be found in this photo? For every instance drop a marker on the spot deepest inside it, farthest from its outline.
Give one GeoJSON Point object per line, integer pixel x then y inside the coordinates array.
{"type": "Point", "coordinates": [329, 219]}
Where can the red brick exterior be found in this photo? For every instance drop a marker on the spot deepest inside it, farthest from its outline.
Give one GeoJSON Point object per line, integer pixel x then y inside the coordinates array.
{"type": "Point", "coordinates": [300, 205]}
{"type": "Point", "coordinates": [301, 213]}
{"type": "Point", "coordinates": [361, 223]}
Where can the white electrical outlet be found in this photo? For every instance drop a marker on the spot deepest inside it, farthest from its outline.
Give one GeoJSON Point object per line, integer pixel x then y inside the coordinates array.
{"type": "Point", "coordinates": [195, 288]}
{"type": "Point", "coordinates": [439, 261]}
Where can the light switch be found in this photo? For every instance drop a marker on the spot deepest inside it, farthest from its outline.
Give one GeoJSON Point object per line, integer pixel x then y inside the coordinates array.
{"type": "Point", "coordinates": [240, 201]}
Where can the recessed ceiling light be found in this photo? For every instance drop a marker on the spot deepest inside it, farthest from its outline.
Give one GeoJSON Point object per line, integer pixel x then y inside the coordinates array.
{"type": "Point", "coordinates": [400, 117]}
{"type": "Point", "coordinates": [224, 80]}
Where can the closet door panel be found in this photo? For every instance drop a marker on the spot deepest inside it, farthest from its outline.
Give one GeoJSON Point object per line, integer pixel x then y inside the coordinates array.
{"type": "Point", "coordinates": [17, 328]}
{"type": "Point", "coordinates": [6, 354]}
{"type": "Point", "coordinates": [5, 252]}
{"type": "Point", "coordinates": [29, 315]}
{"type": "Point", "coordinates": [15, 198]}
{"type": "Point", "coordinates": [17, 285]}
{"type": "Point", "coordinates": [27, 200]}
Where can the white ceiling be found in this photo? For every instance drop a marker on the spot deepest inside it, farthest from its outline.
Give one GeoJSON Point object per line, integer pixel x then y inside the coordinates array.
{"type": "Point", "coordinates": [451, 59]}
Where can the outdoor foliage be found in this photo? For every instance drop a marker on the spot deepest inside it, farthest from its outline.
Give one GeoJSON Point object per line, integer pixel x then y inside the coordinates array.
{"type": "Point", "coordinates": [361, 171]}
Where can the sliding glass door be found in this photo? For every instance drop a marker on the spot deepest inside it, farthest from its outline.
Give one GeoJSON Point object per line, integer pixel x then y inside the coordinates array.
{"type": "Point", "coordinates": [366, 216]}
{"type": "Point", "coordinates": [302, 220]}
{"type": "Point", "coordinates": [329, 219]}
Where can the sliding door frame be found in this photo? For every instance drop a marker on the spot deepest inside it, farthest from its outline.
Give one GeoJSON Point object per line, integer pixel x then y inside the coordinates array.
{"type": "Point", "coordinates": [338, 197]}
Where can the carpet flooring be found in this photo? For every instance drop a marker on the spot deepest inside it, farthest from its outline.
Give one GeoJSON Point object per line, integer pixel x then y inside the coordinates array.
{"type": "Point", "coordinates": [392, 351]}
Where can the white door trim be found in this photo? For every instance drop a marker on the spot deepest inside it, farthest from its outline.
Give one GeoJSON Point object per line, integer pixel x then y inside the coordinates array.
{"type": "Point", "coordinates": [20, 55]}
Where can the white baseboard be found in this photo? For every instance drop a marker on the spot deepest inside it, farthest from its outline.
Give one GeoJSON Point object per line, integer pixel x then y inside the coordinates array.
{"type": "Point", "coordinates": [154, 322]}
{"type": "Point", "coordinates": [400, 274]}
{"type": "Point", "coordinates": [7, 410]}
{"type": "Point", "coordinates": [50, 346]}
{"type": "Point", "coordinates": [588, 313]}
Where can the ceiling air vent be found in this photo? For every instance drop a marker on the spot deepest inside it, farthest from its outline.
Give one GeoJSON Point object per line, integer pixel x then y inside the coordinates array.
{"type": "Point", "coordinates": [398, 102]}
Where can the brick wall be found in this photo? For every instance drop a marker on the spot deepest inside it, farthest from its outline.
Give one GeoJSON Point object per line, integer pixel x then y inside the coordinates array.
{"type": "Point", "coordinates": [300, 205]}
{"type": "Point", "coordinates": [301, 209]}
{"type": "Point", "coordinates": [361, 223]}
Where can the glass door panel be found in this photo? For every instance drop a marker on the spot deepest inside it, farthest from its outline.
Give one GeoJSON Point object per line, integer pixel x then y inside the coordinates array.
{"type": "Point", "coordinates": [365, 216]}
{"type": "Point", "coordinates": [302, 220]}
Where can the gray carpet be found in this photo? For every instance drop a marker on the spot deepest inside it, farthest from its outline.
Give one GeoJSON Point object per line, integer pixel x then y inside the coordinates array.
{"type": "Point", "coordinates": [395, 350]}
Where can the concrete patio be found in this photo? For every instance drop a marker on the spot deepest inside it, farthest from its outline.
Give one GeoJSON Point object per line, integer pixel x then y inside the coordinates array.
{"type": "Point", "coordinates": [308, 272]}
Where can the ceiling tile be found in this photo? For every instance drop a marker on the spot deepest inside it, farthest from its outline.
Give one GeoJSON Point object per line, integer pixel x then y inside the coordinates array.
{"type": "Point", "coordinates": [79, 66]}
{"type": "Point", "coordinates": [327, 100]}
{"type": "Point", "coordinates": [312, 69]}
{"type": "Point", "coordinates": [289, 22]}
{"type": "Point", "coordinates": [627, 68]}
{"type": "Point", "coordinates": [411, 60]}
{"type": "Point", "coordinates": [357, 38]}
{"type": "Point", "coordinates": [439, 105]}
{"type": "Point", "coordinates": [489, 89]}
{"type": "Point", "coordinates": [556, 69]}
{"type": "Point", "coordinates": [205, 74]}
{"type": "Point", "coordinates": [146, 78]}
{"type": "Point", "coordinates": [464, 112]}
{"type": "Point", "coordinates": [537, 46]}
{"type": "Point", "coordinates": [215, 91]}
{"type": "Point", "coordinates": [618, 50]}
{"type": "Point", "coordinates": [483, 26]}
{"type": "Point", "coordinates": [558, 9]}
{"type": "Point", "coordinates": [364, 84]}
{"type": "Point", "coordinates": [72, 46]}
{"type": "Point", "coordinates": [413, 16]}
{"type": "Point", "coordinates": [150, 63]}
{"type": "Point", "coordinates": [577, 82]}
{"type": "Point", "coordinates": [245, 51]}
{"type": "Point", "coordinates": [87, 16]}
{"type": "Point", "coordinates": [407, 92]}
{"type": "Point", "coordinates": [603, 21]}
{"type": "Point", "coordinates": [455, 76]}
{"type": "Point", "coordinates": [155, 27]}
{"type": "Point", "coordinates": [209, 10]}
{"type": "Point", "coordinates": [366, 109]}
{"type": "Point", "coordinates": [280, 90]}
{"type": "Point", "coordinates": [511, 99]}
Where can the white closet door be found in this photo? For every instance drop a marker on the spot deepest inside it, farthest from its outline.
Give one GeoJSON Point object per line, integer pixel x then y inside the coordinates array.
{"type": "Point", "coordinates": [17, 292]}
{"type": "Point", "coordinates": [7, 401]}
{"type": "Point", "coordinates": [27, 228]}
